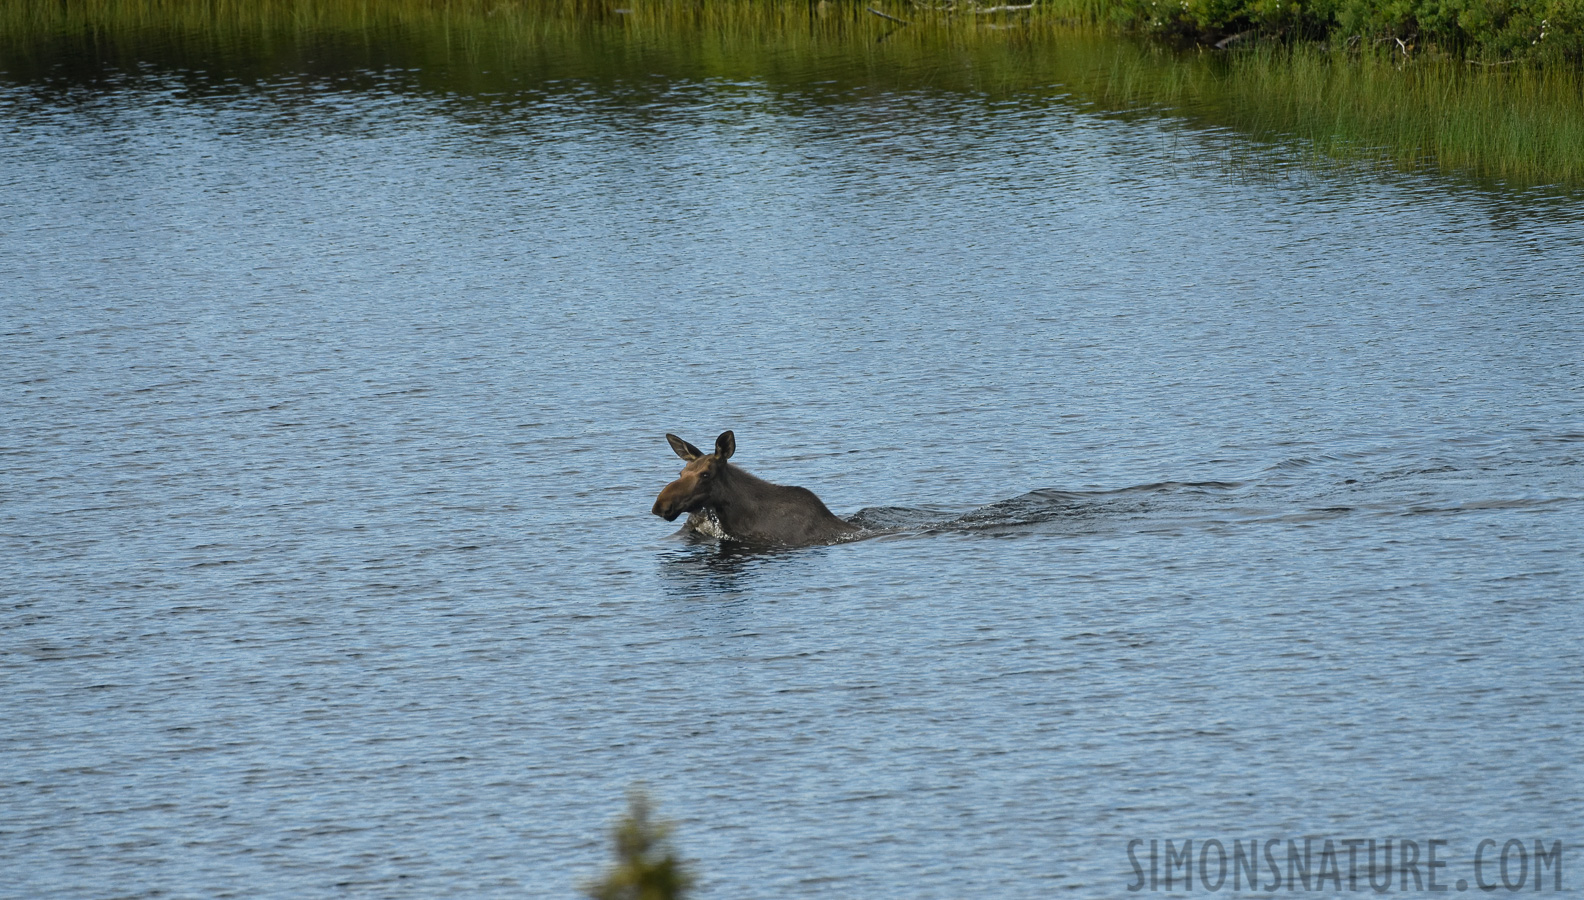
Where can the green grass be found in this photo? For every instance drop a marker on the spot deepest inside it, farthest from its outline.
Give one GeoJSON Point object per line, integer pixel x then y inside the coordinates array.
{"type": "Point", "coordinates": [1520, 123]}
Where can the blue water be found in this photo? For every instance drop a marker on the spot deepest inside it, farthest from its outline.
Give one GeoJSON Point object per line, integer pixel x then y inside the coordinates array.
{"type": "Point", "coordinates": [1213, 501]}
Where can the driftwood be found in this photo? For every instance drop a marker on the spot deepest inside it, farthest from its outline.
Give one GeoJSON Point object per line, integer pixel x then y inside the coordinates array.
{"type": "Point", "coordinates": [1231, 39]}
{"type": "Point", "coordinates": [1405, 46]}
{"type": "Point", "coordinates": [890, 17]}
{"type": "Point", "coordinates": [972, 10]}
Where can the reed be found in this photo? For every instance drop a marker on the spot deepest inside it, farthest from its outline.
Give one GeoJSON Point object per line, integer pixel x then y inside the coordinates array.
{"type": "Point", "coordinates": [1520, 123]}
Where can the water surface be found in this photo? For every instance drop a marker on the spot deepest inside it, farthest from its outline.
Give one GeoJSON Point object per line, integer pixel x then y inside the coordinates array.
{"type": "Point", "coordinates": [1221, 498]}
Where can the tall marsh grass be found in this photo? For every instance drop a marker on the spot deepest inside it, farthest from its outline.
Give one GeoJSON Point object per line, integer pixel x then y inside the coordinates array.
{"type": "Point", "coordinates": [1521, 123]}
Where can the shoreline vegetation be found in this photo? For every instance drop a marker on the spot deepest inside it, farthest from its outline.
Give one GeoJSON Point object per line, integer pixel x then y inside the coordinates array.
{"type": "Point", "coordinates": [1488, 89]}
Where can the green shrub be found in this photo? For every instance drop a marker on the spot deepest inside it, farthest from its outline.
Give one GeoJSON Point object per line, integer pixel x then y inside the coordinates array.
{"type": "Point", "coordinates": [1482, 30]}
{"type": "Point", "coordinates": [645, 866]}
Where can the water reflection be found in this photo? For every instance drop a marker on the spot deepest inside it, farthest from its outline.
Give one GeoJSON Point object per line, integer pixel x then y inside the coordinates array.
{"type": "Point", "coordinates": [485, 70]}
{"type": "Point", "coordinates": [703, 568]}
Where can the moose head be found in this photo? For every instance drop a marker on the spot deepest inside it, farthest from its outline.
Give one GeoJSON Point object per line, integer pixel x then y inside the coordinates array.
{"type": "Point", "coordinates": [695, 488]}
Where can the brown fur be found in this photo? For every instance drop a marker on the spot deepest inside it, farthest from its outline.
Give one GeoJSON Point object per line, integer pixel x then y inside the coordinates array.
{"type": "Point", "coordinates": [748, 509]}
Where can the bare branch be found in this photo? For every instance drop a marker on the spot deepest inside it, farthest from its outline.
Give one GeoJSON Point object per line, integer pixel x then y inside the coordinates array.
{"type": "Point", "coordinates": [892, 18]}
{"type": "Point", "coordinates": [1231, 39]}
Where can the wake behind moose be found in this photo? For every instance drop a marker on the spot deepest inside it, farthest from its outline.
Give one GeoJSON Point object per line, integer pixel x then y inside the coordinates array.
{"type": "Point", "coordinates": [747, 509]}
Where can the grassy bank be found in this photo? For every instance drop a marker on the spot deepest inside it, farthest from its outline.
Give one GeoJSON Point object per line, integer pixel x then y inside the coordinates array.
{"type": "Point", "coordinates": [1521, 122]}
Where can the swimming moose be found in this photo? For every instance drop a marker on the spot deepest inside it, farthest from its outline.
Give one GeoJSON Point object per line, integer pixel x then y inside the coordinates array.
{"type": "Point", "coordinates": [748, 510]}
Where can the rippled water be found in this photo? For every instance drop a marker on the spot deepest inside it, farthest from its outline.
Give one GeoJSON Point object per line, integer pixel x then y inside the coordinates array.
{"type": "Point", "coordinates": [1218, 498]}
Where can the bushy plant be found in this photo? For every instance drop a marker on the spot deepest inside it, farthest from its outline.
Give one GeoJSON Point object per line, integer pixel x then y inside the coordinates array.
{"type": "Point", "coordinates": [646, 868]}
{"type": "Point", "coordinates": [1483, 30]}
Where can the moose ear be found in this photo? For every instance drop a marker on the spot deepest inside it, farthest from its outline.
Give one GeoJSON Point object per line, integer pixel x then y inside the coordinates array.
{"type": "Point", "coordinates": [725, 445]}
{"type": "Point", "coordinates": [687, 451]}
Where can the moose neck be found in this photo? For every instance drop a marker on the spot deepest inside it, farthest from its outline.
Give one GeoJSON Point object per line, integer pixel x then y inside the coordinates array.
{"type": "Point", "coordinates": [738, 500]}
